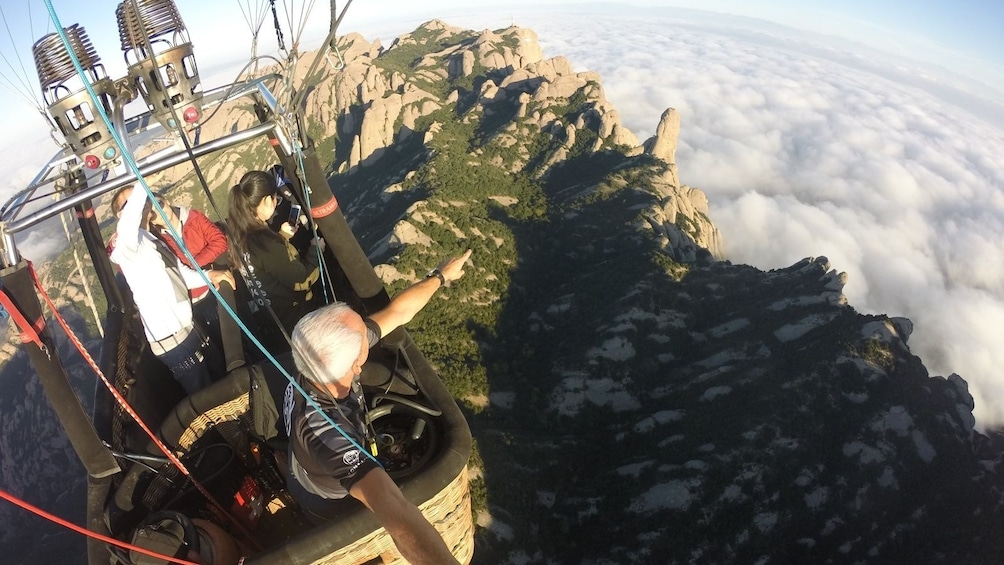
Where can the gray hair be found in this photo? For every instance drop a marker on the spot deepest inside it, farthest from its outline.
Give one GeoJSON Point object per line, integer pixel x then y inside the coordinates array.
{"type": "Point", "coordinates": [324, 346]}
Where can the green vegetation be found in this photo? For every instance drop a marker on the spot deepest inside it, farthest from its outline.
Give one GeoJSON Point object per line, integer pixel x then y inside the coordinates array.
{"type": "Point", "coordinates": [687, 225]}
{"type": "Point", "coordinates": [676, 271]}
{"type": "Point", "coordinates": [876, 352]}
{"type": "Point", "coordinates": [511, 41]}
{"type": "Point", "coordinates": [403, 56]}
{"type": "Point", "coordinates": [571, 109]}
{"type": "Point", "coordinates": [557, 257]}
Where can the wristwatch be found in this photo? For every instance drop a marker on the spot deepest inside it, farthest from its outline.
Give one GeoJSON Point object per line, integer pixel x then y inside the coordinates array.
{"type": "Point", "coordinates": [438, 274]}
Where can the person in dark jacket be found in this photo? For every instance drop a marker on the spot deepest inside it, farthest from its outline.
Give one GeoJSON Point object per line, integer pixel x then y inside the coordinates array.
{"type": "Point", "coordinates": [277, 275]}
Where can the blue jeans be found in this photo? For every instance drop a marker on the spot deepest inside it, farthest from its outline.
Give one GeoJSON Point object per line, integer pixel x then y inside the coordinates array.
{"type": "Point", "coordinates": [193, 361]}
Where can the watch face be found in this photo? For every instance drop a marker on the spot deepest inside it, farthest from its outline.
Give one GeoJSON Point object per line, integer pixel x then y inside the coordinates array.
{"type": "Point", "coordinates": [438, 274]}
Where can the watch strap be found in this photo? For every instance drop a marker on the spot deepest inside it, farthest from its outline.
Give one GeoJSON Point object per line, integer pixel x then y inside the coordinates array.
{"type": "Point", "coordinates": [438, 274]}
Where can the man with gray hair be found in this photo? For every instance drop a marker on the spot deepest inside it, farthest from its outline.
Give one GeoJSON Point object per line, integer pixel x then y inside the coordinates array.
{"type": "Point", "coordinates": [330, 346]}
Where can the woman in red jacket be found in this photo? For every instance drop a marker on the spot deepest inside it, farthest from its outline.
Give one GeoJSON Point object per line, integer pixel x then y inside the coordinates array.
{"type": "Point", "coordinates": [204, 240]}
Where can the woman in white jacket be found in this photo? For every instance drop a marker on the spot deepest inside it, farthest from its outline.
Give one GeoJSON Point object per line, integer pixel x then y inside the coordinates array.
{"type": "Point", "coordinates": [159, 282]}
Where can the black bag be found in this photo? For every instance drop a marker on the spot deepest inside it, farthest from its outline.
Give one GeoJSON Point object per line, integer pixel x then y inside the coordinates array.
{"type": "Point", "coordinates": [167, 533]}
{"type": "Point", "coordinates": [268, 388]}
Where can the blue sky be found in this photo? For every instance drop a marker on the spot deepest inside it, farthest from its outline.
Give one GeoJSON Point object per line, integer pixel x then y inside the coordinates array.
{"type": "Point", "coordinates": [867, 144]}
{"type": "Point", "coordinates": [961, 36]}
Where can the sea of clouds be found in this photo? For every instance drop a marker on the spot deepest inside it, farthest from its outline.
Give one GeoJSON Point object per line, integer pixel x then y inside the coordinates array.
{"type": "Point", "coordinates": [805, 149]}
{"type": "Point", "coordinates": [810, 146]}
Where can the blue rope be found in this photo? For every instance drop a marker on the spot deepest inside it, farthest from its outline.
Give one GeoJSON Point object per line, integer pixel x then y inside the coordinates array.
{"type": "Point", "coordinates": [325, 274]}
{"type": "Point", "coordinates": [131, 163]}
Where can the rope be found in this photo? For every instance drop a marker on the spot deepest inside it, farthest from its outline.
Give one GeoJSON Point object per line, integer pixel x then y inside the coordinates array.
{"type": "Point", "coordinates": [124, 404]}
{"type": "Point", "coordinates": [29, 331]}
{"type": "Point", "coordinates": [70, 525]}
{"type": "Point", "coordinates": [278, 30]}
{"type": "Point", "coordinates": [325, 271]}
{"type": "Point", "coordinates": [134, 168]}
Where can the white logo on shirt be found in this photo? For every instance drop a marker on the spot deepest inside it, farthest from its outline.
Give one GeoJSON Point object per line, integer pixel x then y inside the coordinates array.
{"type": "Point", "coordinates": [351, 458]}
{"type": "Point", "coordinates": [287, 409]}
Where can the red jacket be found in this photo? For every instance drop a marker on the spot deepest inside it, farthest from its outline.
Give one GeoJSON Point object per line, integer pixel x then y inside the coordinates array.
{"type": "Point", "coordinates": [203, 239]}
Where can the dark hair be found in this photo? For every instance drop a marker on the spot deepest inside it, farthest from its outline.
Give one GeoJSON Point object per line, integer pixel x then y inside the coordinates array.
{"type": "Point", "coordinates": [116, 207]}
{"type": "Point", "coordinates": [245, 227]}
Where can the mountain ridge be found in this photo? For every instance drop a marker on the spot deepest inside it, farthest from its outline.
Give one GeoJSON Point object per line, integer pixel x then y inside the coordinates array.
{"type": "Point", "coordinates": [635, 397]}
{"type": "Point", "coordinates": [619, 325]}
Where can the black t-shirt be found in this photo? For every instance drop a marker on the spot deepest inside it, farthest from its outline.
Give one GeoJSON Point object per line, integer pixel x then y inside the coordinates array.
{"type": "Point", "coordinates": [277, 275]}
{"type": "Point", "coordinates": [324, 460]}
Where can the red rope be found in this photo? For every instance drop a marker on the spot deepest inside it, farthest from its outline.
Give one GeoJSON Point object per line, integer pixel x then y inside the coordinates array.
{"type": "Point", "coordinates": [29, 331]}
{"type": "Point", "coordinates": [124, 404]}
{"type": "Point", "coordinates": [70, 525]}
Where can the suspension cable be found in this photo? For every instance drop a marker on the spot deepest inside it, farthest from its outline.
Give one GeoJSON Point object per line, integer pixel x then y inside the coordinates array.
{"type": "Point", "coordinates": [124, 405]}
{"type": "Point", "coordinates": [278, 29]}
{"type": "Point", "coordinates": [309, 76]}
{"type": "Point", "coordinates": [134, 168]}
{"type": "Point", "coordinates": [255, 18]}
{"type": "Point", "coordinates": [23, 77]}
{"type": "Point", "coordinates": [23, 89]}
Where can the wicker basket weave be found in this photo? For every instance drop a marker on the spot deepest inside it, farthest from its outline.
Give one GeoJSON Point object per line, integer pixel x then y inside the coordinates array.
{"type": "Point", "coordinates": [225, 412]}
{"type": "Point", "coordinates": [449, 511]}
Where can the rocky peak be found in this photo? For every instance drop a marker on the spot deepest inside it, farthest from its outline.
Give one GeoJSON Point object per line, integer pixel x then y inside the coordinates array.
{"type": "Point", "coordinates": [635, 396]}
{"type": "Point", "coordinates": [690, 408]}
{"type": "Point", "coordinates": [382, 95]}
{"type": "Point", "coordinates": [663, 144]}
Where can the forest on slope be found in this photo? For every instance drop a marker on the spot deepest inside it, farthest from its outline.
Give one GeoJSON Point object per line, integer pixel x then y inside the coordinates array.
{"type": "Point", "coordinates": [629, 402]}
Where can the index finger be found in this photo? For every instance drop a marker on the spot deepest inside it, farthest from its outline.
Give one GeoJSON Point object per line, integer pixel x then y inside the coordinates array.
{"type": "Point", "coordinates": [466, 256]}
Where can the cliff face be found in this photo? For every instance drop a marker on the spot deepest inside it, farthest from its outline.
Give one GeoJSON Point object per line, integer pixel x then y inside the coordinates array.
{"type": "Point", "coordinates": [634, 397]}
{"type": "Point", "coordinates": [500, 78]}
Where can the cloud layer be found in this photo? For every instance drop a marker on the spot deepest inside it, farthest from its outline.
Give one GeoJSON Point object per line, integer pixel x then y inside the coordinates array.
{"type": "Point", "coordinates": [803, 153]}
{"type": "Point", "coordinates": [806, 149]}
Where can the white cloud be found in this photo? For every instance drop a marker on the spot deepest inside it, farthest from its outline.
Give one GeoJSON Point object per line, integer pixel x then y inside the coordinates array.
{"type": "Point", "coordinates": [806, 150]}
